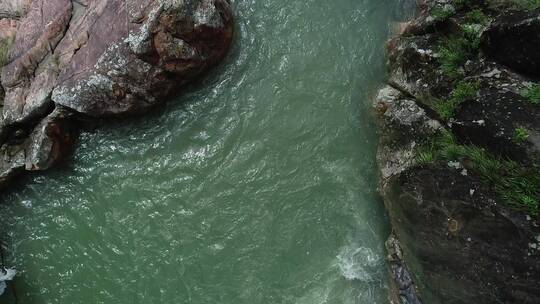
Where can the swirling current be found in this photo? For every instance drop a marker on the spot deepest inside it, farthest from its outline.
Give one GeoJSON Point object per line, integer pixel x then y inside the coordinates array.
{"type": "Point", "coordinates": [256, 185]}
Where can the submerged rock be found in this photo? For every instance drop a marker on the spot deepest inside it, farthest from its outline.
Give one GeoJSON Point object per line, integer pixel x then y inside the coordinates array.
{"type": "Point", "coordinates": [99, 58]}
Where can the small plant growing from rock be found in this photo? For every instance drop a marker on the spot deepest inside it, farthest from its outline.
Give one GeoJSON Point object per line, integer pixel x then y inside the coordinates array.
{"type": "Point", "coordinates": [517, 185]}
{"type": "Point", "coordinates": [527, 4]}
{"type": "Point", "coordinates": [453, 54]}
{"type": "Point", "coordinates": [520, 135]}
{"type": "Point", "coordinates": [533, 94]}
{"type": "Point", "coordinates": [424, 155]}
{"type": "Point", "coordinates": [455, 50]}
{"type": "Point", "coordinates": [476, 16]}
{"type": "Point", "coordinates": [464, 90]}
{"type": "Point", "coordinates": [441, 13]}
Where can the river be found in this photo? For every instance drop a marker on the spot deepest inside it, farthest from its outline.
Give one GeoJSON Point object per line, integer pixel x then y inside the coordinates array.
{"type": "Point", "coordinates": [256, 185]}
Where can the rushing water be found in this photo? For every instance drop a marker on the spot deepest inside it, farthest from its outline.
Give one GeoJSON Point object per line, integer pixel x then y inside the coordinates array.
{"type": "Point", "coordinates": [256, 186]}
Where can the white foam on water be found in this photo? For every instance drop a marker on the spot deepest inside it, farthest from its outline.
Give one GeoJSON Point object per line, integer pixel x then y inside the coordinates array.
{"type": "Point", "coordinates": [358, 263]}
{"type": "Point", "coordinates": [6, 274]}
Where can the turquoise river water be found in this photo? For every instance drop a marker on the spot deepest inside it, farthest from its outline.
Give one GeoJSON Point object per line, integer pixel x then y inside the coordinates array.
{"type": "Point", "coordinates": [257, 185]}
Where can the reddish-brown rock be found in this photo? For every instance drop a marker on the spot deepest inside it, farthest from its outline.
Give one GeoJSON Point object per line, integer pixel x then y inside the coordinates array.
{"type": "Point", "coordinates": [99, 58]}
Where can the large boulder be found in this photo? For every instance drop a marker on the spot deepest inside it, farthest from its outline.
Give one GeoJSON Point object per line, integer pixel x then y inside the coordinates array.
{"type": "Point", "coordinates": [513, 40]}
{"type": "Point", "coordinates": [461, 244]}
{"type": "Point", "coordinates": [99, 58]}
{"type": "Point", "coordinates": [110, 57]}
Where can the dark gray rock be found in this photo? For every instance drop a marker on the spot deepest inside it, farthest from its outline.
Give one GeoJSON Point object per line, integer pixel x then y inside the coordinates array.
{"type": "Point", "coordinates": [491, 121]}
{"type": "Point", "coordinates": [513, 39]}
{"type": "Point", "coordinates": [461, 244]}
{"type": "Point", "coordinates": [455, 239]}
{"type": "Point", "coordinates": [401, 283]}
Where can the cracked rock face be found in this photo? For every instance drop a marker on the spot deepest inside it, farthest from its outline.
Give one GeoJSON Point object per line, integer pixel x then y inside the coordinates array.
{"type": "Point", "coordinates": [99, 58]}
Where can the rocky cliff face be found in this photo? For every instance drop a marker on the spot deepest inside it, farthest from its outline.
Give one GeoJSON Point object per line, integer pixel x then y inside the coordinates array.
{"type": "Point", "coordinates": [100, 59]}
{"type": "Point", "coordinates": [459, 153]}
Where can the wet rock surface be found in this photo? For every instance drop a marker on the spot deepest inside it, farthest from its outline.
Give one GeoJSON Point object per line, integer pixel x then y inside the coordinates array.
{"type": "Point", "coordinates": [457, 238]}
{"type": "Point", "coordinates": [99, 59]}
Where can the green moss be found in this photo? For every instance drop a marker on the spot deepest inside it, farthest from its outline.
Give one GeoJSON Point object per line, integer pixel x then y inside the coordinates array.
{"type": "Point", "coordinates": [520, 135]}
{"type": "Point", "coordinates": [476, 16]}
{"type": "Point", "coordinates": [441, 13]}
{"type": "Point", "coordinates": [533, 94]}
{"type": "Point", "coordinates": [463, 90]}
{"type": "Point", "coordinates": [526, 4]}
{"type": "Point", "coordinates": [518, 186]}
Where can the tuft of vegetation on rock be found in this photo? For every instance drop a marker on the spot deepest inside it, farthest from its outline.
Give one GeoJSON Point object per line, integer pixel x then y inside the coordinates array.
{"type": "Point", "coordinates": [518, 186]}
{"type": "Point", "coordinates": [527, 4]}
{"type": "Point", "coordinates": [533, 94]}
{"type": "Point", "coordinates": [457, 49]}
{"type": "Point", "coordinates": [463, 90]}
{"type": "Point", "coordinates": [453, 55]}
{"type": "Point", "coordinates": [442, 13]}
{"type": "Point", "coordinates": [521, 134]}
{"type": "Point", "coordinates": [476, 16]}
{"type": "Point", "coordinates": [454, 51]}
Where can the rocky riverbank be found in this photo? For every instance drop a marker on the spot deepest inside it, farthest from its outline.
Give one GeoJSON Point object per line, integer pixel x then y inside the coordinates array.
{"type": "Point", "coordinates": [459, 153]}
{"type": "Point", "coordinates": [67, 61]}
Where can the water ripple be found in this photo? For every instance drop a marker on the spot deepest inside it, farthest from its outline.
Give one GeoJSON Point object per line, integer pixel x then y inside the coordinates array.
{"type": "Point", "coordinates": [255, 186]}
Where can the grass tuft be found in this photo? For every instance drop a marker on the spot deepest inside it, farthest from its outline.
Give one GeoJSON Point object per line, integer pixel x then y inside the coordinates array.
{"type": "Point", "coordinates": [520, 135]}
{"type": "Point", "coordinates": [463, 90]}
{"type": "Point", "coordinates": [476, 16]}
{"type": "Point", "coordinates": [518, 186]}
{"type": "Point", "coordinates": [453, 55]}
{"type": "Point", "coordinates": [442, 13]}
{"type": "Point", "coordinates": [533, 94]}
{"type": "Point", "coordinates": [527, 4]}
{"type": "Point", "coordinates": [455, 50]}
